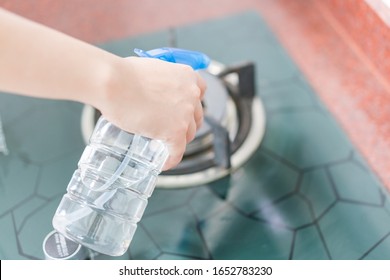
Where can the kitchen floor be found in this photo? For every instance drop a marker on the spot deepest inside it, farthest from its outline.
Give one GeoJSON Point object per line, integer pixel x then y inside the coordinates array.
{"type": "Point", "coordinates": [306, 193]}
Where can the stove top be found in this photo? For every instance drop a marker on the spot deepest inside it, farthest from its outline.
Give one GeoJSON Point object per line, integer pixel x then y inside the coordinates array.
{"type": "Point", "coordinates": [305, 193]}
{"type": "Point", "coordinates": [232, 131]}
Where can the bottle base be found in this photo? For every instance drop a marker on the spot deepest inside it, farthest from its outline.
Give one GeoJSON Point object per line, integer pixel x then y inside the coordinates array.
{"type": "Point", "coordinates": [106, 234]}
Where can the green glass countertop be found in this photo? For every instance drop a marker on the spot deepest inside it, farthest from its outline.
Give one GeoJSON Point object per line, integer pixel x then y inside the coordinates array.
{"type": "Point", "coordinates": [305, 194]}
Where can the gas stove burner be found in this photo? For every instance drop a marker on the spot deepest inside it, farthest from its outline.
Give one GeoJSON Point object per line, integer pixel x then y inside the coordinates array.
{"type": "Point", "coordinates": [233, 128]}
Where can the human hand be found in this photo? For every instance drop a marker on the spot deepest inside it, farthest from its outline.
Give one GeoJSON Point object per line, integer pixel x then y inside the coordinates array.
{"type": "Point", "coordinates": [156, 99]}
{"type": "Point", "coordinates": [145, 96]}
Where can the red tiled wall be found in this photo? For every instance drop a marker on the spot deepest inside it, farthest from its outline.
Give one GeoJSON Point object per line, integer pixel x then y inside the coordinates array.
{"type": "Point", "coordinates": [342, 73]}
{"type": "Point", "coordinates": [366, 28]}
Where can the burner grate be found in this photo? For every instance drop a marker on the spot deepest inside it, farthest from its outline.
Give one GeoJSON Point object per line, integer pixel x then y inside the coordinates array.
{"type": "Point", "coordinates": [232, 131]}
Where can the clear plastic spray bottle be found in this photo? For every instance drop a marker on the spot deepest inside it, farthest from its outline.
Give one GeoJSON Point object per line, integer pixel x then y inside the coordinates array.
{"type": "Point", "coordinates": [117, 172]}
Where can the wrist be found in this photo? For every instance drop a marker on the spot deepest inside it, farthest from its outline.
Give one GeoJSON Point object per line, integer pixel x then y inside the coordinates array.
{"type": "Point", "coordinates": [104, 81]}
{"type": "Point", "coordinates": [115, 97]}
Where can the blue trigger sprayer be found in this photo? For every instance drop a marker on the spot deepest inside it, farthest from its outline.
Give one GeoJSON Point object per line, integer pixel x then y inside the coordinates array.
{"type": "Point", "coordinates": [117, 172]}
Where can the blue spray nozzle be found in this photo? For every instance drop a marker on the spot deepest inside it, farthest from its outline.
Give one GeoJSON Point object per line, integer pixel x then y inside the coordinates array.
{"type": "Point", "coordinates": [196, 60]}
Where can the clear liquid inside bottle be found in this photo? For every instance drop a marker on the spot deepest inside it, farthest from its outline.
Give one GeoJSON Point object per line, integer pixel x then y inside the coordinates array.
{"type": "Point", "coordinates": [108, 193]}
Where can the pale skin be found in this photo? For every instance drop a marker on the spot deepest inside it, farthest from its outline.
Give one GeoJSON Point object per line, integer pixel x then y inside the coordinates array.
{"type": "Point", "coordinates": [145, 96]}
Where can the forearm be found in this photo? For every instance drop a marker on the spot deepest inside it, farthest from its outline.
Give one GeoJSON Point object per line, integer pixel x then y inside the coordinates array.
{"type": "Point", "coordinates": [149, 97]}
{"type": "Point", "coordinates": [41, 62]}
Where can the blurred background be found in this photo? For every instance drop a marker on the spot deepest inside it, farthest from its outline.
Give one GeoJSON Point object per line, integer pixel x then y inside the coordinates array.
{"type": "Point", "coordinates": [316, 187]}
{"type": "Point", "coordinates": [347, 39]}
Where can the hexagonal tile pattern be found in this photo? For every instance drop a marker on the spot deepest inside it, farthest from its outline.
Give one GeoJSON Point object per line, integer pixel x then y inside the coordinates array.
{"type": "Point", "coordinates": [19, 180]}
{"type": "Point", "coordinates": [177, 236]}
{"type": "Point", "coordinates": [36, 228]}
{"type": "Point", "coordinates": [23, 213]}
{"type": "Point", "coordinates": [230, 235]}
{"type": "Point", "coordinates": [55, 175]}
{"type": "Point", "coordinates": [308, 245]}
{"type": "Point", "coordinates": [10, 246]}
{"type": "Point", "coordinates": [143, 247]}
{"type": "Point", "coordinates": [277, 181]}
{"type": "Point", "coordinates": [306, 193]}
{"type": "Point", "coordinates": [298, 137]}
{"type": "Point", "coordinates": [48, 133]}
{"type": "Point", "coordinates": [318, 190]}
{"type": "Point", "coordinates": [292, 212]}
{"type": "Point", "coordinates": [354, 188]}
{"type": "Point", "coordinates": [380, 251]}
{"type": "Point", "coordinates": [163, 200]}
{"type": "Point", "coordinates": [205, 196]}
{"type": "Point", "coordinates": [351, 230]}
